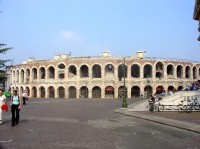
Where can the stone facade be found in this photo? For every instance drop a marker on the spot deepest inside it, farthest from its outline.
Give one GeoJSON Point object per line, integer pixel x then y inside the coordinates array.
{"type": "Point", "coordinates": [101, 77]}
{"type": "Point", "coordinates": [196, 14]}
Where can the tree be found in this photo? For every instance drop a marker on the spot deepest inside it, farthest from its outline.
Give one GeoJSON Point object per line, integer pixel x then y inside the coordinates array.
{"type": "Point", "coordinates": [3, 76]}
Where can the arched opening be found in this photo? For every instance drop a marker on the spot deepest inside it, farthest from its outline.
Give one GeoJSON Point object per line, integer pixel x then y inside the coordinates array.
{"type": "Point", "coordinates": [51, 92]}
{"type": "Point", "coordinates": [179, 71]}
{"type": "Point", "coordinates": [180, 88]}
{"type": "Point", "coordinates": [28, 75]}
{"type": "Point", "coordinates": [72, 92]}
{"type": "Point", "coordinates": [171, 90]}
{"type": "Point", "coordinates": [194, 73]}
{"type": "Point", "coordinates": [21, 90]}
{"type": "Point", "coordinates": [147, 71]}
{"type": "Point", "coordinates": [61, 92]}
{"type": "Point", "coordinates": [22, 76]}
{"type": "Point", "coordinates": [28, 90]}
{"type": "Point", "coordinates": [159, 70]}
{"type": "Point", "coordinates": [135, 71]}
{"type": "Point", "coordinates": [51, 71]}
{"type": "Point", "coordinates": [170, 70]}
{"type": "Point", "coordinates": [84, 71]}
{"type": "Point", "coordinates": [84, 92]}
{"type": "Point", "coordinates": [42, 92]}
{"type": "Point", "coordinates": [135, 91]}
{"type": "Point", "coordinates": [160, 90]}
{"type": "Point", "coordinates": [109, 92]}
{"type": "Point", "coordinates": [42, 73]}
{"type": "Point", "coordinates": [17, 79]}
{"type": "Point", "coordinates": [122, 91]}
{"type": "Point", "coordinates": [187, 72]}
{"type": "Point", "coordinates": [34, 72]}
{"type": "Point", "coordinates": [122, 72]}
{"type": "Point", "coordinates": [109, 71]}
{"type": "Point", "coordinates": [34, 92]}
{"type": "Point", "coordinates": [96, 71]}
{"type": "Point", "coordinates": [96, 92]}
{"type": "Point", "coordinates": [72, 71]}
{"type": "Point", "coordinates": [148, 90]}
{"type": "Point", "coordinates": [61, 66]}
{"type": "Point", "coordinates": [17, 88]}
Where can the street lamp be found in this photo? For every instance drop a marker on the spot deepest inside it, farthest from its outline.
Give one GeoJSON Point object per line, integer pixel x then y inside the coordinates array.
{"type": "Point", "coordinates": [124, 103]}
{"type": "Point", "coordinates": [148, 81]}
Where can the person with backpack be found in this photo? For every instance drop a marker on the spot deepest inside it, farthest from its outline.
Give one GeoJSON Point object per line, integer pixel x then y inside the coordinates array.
{"type": "Point", "coordinates": [15, 107]}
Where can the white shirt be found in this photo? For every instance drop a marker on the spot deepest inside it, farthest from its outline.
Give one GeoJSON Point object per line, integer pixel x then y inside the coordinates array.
{"type": "Point", "coordinates": [2, 98]}
{"type": "Point", "coordinates": [24, 94]}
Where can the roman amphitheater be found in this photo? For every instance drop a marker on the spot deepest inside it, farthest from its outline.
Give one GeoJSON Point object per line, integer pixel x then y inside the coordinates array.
{"type": "Point", "coordinates": [65, 76]}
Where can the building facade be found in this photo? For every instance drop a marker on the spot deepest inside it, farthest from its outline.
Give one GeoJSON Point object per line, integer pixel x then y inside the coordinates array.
{"type": "Point", "coordinates": [101, 77]}
{"type": "Point", "coordinates": [196, 15]}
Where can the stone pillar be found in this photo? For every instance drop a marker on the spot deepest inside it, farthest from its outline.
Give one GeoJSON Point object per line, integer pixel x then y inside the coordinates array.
{"type": "Point", "coordinates": [38, 93]}
{"type": "Point", "coordinates": [66, 92]}
{"type": "Point", "coordinates": [129, 90]}
{"type": "Point", "coordinates": [102, 73]}
{"type": "Point", "coordinates": [46, 93]}
{"type": "Point", "coordinates": [78, 73]}
{"type": "Point", "coordinates": [103, 91]}
{"type": "Point", "coordinates": [89, 92]}
{"type": "Point", "coordinates": [116, 73]}
{"type": "Point", "coordinates": [141, 72]}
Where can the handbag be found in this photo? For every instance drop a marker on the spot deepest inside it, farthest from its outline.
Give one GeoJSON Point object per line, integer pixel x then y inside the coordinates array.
{"type": "Point", "coordinates": [4, 107]}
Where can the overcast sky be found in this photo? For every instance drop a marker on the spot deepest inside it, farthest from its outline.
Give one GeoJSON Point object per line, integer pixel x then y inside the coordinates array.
{"type": "Point", "coordinates": [43, 28]}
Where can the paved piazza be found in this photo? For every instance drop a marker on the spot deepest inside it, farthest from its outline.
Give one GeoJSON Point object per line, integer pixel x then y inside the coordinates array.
{"type": "Point", "coordinates": [87, 124]}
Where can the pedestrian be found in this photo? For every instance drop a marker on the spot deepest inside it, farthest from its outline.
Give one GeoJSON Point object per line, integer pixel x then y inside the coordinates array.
{"type": "Point", "coordinates": [2, 101]}
{"type": "Point", "coordinates": [151, 103]}
{"type": "Point", "coordinates": [15, 107]}
{"type": "Point", "coordinates": [24, 96]}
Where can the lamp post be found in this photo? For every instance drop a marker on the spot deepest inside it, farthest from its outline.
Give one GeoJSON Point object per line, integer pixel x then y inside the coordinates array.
{"type": "Point", "coordinates": [148, 81]}
{"type": "Point", "coordinates": [124, 103]}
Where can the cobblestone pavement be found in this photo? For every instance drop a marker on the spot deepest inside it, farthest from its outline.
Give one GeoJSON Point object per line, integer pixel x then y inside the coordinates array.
{"type": "Point", "coordinates": [87, 124]}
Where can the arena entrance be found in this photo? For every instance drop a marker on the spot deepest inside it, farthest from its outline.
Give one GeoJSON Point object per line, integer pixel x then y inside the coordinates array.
{"type": "Point", "coordinates": [109, 92]}
{"type": "Point", "coordinates": [72, 92]}
{"type": "Point", "coordinates": [96, 92]}
{"type": "Point", "coordinates": [42, 92]}
{"type": "Point", "coordinates": [135, 91]}
{"type": "Point", "coordinates": [61, 92]}
{"type": "Point", "coordinates": [148, 91]}
{"type": "Point", "coordinates": [34, 92]}
{"type": "Point", "coordinates": [51, 92]}
{"type": "Point", "coordinates": [122, 91]}
{"type": "Point", "coordinates": [159, 90]}
{"type": "Point", "coordinates": [84, 92]}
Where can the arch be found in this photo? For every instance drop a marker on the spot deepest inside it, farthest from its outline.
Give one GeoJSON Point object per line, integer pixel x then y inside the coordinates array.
{"type": "Point", "coordinates": [147, 71]}
{"type": "Point", "coordinates": [148, 90]}
{"type": "Point", "coordinates": [42, 92]}
{"type": "Point", "coordinates": [84, 92]}
{"type": "Point", "coordinates": [121, 91]}
{"type": "Point", "coordinates": [51, 91]}
{"type": "Point", "coordinates": [27, 75]}
{"type": "Point", "coordinates": [96, 92]}
{"type": "Point", "coordinates": [17, 88]}
{"type": "Point", "coordinates": [51, 72]}
{"type": "Point", "coordinates": [22, 75]}
{"type": "Point", "coordinates": [179, 71]}
{"type": "Point", "coordinates": [42, 73]}
{"type": "Point", "coordinates": [61, 92]}
{"type": "Point", "coordinates": [135, 91]}
{"type": "Point", "coordinates": [171, 89]}
{"type": "Point", "coordinates": [72, 92]}
{"type": "Point", "coordinates": [28, 90]}
{"type": "Point", "coordinates": [96, 71]}
{"type": "Point", "coordinates": [34, 91]}
{"type": "Point", "coordinates": [122, 71]}
{"type": "Point", "coordinates": [109, 92]}
{"type": "Point", "coordinates": [187, 72]}
{"type": "Point", "coordinates": [21, 89]}
{"type": "Point", "coordinates": [17, 74]}
{"type": "Point", "coordinates": [72, 72]}
{"type": "Point", "coordinates": [194, 70]}
{"type": "Point", "coordinates": [61, 66]}
{"type": "Point", "coordinates": [135, 71]}
{"type": "Point", "coordinates": [170, 70]}
{"type": "Point", "coordinates": [109, 71]}
{"type": "Point", "coordinates": [180, 88]}
{"type": "Point", "coordinates": [159, 70]}
{"type": "Point", "coordinates": [160, 90]}
{"type": "Point", "coordinates": [34, 73]}
{"type": "Point", "coordinates": [84, 71]}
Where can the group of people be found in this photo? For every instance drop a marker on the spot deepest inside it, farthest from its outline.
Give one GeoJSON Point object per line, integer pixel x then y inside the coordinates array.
{"type": "Point", "coordinates": [15, 102]}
